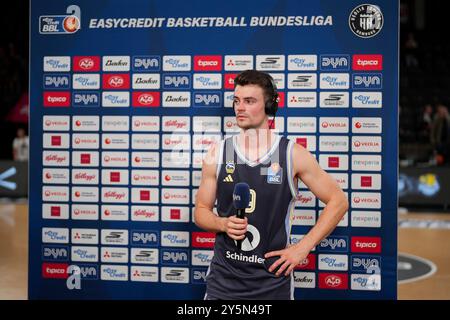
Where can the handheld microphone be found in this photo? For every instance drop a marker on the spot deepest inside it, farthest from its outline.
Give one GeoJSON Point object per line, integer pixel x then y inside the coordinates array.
{"type": "Point", "coordinates": [241, 198]}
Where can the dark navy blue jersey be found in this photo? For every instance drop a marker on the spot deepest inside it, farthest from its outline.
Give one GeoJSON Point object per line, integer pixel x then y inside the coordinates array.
{"type": "Point", "coordinates": [243, 274]}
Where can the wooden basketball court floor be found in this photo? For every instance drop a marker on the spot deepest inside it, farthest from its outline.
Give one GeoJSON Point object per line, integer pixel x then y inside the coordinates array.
{"type": "Point", "coordinates": [429, 243]}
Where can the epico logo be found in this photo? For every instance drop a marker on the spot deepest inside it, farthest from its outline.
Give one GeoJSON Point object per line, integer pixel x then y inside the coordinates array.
{"type": "Point", "coordinates": [366, 20]}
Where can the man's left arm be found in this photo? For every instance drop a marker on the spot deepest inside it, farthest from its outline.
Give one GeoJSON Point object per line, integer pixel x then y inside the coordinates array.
{"type": "Point", "coordinates": [325, 188]}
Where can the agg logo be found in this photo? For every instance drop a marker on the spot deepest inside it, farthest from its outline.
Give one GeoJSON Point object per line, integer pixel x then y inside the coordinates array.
{"type": "Point", "coordinates": [367, 81]}
{"type": "Point", "coordinates": [60, 24]}
{"type": "Point", "coordinates": [209, 99]}
{"type": "Point", "coordinates": [57, 81]}
{"type": "Point", "coordinates": [333, 281]}
{"type": "Point", "coordinates": [86, 99]}
{"type": "Point", "coordinates": [144, 238]}
{"type": "Point", "coordinates": [55, 253]}
{"type": "Point", "coordinates": [181, 81]}
{"type": "Point", "coordinates": [146, 63]}
{"type": "Point", "coordinates": [116, 81]}
{"type": "Point", "coordinates": [334, 244]}
{"type": "Point", "coordinates": [146, 99]}
{"type": "Point", "coordinates": [338, 62]}
{"type": "Point", "coordinates": [86, 63]}
{"type": "Point", "coordinates": [366, 20]}
{"type": "Point", "coordinates": [175, 257]}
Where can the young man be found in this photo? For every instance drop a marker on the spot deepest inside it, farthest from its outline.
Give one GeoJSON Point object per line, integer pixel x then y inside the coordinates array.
{"type": "Point", "coordinates": [270, 165]}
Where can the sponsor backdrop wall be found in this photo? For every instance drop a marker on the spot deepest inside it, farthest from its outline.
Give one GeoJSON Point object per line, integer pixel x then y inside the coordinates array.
{"type": "Point", "coordinates": [126, 97]}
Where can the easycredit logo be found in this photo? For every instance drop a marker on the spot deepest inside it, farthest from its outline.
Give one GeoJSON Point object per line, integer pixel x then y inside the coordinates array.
{"type": "Point", "coordinates": [56, 99]}
{"type": "Point", "coordinates": [366, 244]}
{"type": "Point", "coordinates": [207, 63]}
{"type": "Point", "coordinates": [203, 239]}
{"type": "Point", "coordinates": [367, 62]}
{"type": "Point", "coordinates": [86, 63]}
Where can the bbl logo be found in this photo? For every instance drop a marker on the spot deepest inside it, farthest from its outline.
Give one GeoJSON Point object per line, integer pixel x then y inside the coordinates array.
{"type": "Point", "coordinates": [58, 24]}
{"type": "Point", "coordinates": [366, 20]}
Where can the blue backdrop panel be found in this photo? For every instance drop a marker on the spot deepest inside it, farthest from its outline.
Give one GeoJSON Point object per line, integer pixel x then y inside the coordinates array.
{"type": "Point", "coordinates": [118, 88]}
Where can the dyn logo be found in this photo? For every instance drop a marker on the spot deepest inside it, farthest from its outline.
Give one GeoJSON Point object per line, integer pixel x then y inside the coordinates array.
{"type": "Point", "coordinates": [367, 80]}
{"type": "Point", "coordinates": [365, 263]}
{"type": "Point", "coordinates": [146, 63]}
{"type": "Point", "coordinates": [145, 238]}
{"type": "Point", "coordinates": [209, 99]}
{"type": "Point", "coordinates": [334, 62]}
{"type": "Point", "coordinates": [175, 257]}
{"type": "Point", "coordinates": [55, 253]}
{"type": "Point", "coordinates": [57, 81]}
{"type": "Point", "coordinates": [334, 244]}
{"type": "Point", "coordinates": [198, 275]}
{"type": "Point", "coordinates": [86, 99]}
{"type": "Point", "coordinates": [177, 81]}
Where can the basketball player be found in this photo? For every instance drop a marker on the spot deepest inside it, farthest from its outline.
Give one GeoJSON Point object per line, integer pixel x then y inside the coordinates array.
{"type": "Point", "coordinates": [270, 165]}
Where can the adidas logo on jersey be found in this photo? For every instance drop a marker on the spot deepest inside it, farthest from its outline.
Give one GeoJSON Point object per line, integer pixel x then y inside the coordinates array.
{"type": "Point", "coordinates": [228, 178]}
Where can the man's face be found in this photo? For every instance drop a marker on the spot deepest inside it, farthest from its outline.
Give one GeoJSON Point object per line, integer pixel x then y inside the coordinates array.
{"type": "Point", "coordinates": [249, 106]}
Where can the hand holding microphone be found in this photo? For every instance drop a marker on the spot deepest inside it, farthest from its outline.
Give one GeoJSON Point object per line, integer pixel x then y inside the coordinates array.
{"type": "Point", "coordinates": [241, 199]}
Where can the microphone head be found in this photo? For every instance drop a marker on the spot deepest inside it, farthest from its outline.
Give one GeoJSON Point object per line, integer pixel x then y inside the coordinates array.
{"type": "Point", "coordinates": [241, 195]}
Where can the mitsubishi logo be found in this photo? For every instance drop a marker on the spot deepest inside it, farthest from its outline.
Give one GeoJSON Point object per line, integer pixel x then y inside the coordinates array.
{"type": "Point", "coordinates": [5, 175]}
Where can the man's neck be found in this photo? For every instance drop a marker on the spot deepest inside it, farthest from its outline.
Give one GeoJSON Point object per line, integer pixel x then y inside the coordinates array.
{"type": "Point", "coordinates": [255, 143]}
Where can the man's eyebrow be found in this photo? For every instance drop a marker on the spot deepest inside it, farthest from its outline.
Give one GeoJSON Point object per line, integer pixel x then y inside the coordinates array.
{"type": "Point", "coordinates": [235, 97]}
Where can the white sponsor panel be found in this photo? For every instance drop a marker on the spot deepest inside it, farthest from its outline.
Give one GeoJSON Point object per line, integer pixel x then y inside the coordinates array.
{"type": "Point", "coordinates": [176, 63]}
{"type": "Point", "coordinates": [56, 123]}
{"type": "Point", "coordinates": [333, 144]}
{"type": "Point", "coordinates": [278, 79]}
{"type": "Point", "coordinates": [366, 144]}
{"type": "Point", "coordinates": [84, 194]}
{"type": "Point", "coordinates": [228, 97]}
{"type": "Point", "coordinates": [85, 158]}
{"type": "Point", "coordinates": [114, 237]}
{"type": "Point", "coordinates": [270, 62]}
{"type": "Point", "coordinates": [174, 196]}
{"type": "Point", "coordinates": [114, 255]}
{"type": "Point", "coordinates": [334, 99]}
{"type": "Point", "coordinates": [202, 257]}
{"type": "Point", "coordinates": [145, 195]}
{"type": "Point", "coordinates": [194, 196]}
{"type": "Point", "coordinates": [205, 141]}
{"type": "Point", "coordinates": [144, 256]}
{"type": "Point", "coordinates": [55, 176]}
{"type": "Point", "coordinates": [113, 272]}
{"type": "Point", "coordinates": [115, 99]}
{"type": "Point", "coordinates": [174, 214]}
{"type": "Point", "coordinates": [333, 125]}
{"type": "Point", "coordinates": [279, 125]}
{"type": "Point", "coordinates": [238, 62]}
{"type": "Point", "coordinates": [84, 212]}
{"type": "Point", "coordinates": [297, 81]}
{"type": "Point", "coordinates": [55, 211]}
{"type": "Point", "coordinates": [144, 141]}
{"type": "Point", "coordinates": [116, 63]}
{"type": "Point", "coordinates": [115, 141]}
{"type": "Point", "coordinates": [145, 123]}
{"type": "Point", "coordinates": [85, 123]}
{"type": "Point", "coordinates": [367, 99]}
{"type": "Point", "coordinates": [175, 238]}
{"type": "Point", "coordinates": [307, 142]}
{"type": "Point", "coordinates": [369, 200]}
{"type": "Point", "coordinates": [176, 99]}
{"type": "Point", "coordinates": [85, 141]}
{"type": "Point", "coordinates": [337, 162]}
{"type": "Point", "coordinates": [207, 124]}
{"type": "Point", "coordinates": [366, 125]}
{"type": "Point", "coordinates": [146, 81]}
{"type": "Point", "coordinates": [334, 81]}
{"type": "Point", "coordinates": [145, 159]}
{"type": "Point", "coordinates": [85, 176]}
{"type": "Point", "coordinates": [84, 236]}
{"type": "Point", "coordinates": [84, 254]}
{"type": "Point", "coordinates": [115, 159]}
{"type": "Point", "coordinates": [174, 275]}
{"type": "Point", "coordinates": [175, 141]}
{"type": "Point", "coordinates": [303, 217]}
{"type": "Point", "coordinates": [56, 63]}
{"type": "Point", "coordinates": [55, 235]}
{"type": "Point", "coordinates": [114, 213]}
{"type": "Point", "coordinates": [85, 81]}
{"type": "Point", "coordinates": [366, 181]}
{"type": "Point", "coordinates": [336, 262]}
{"type": "Point", "coordinates": [302, 99]}
{"type": "Point", "coordinates": [178, 124]}
{"type": "Point", "coordinates": [207, 81]}
{"type": "Point", "coordinates": [196, 178]}
{"type": "Point", "coordinates": [175, 159]}
{"type": "Point", "coordinates": [145, 177]}
{"type": "Point", "coordinates": [366, 163]}
{"type": "Point", "coordinates": [53, 193]}
{"type": "Point", "coordinates": [366, 219]}
{"type": "Point", "coordinates": [115, 123]}
{"type": "Point", "coordinates": [305, 199]}
{"type": "Point", "coordinates": [175, 178]}
{"type": "Point", "coordinates": [145, 213]}
{"type": "Point", "coordinates": [56, 140]}
{"type": "Point", "coordinates": [365, 282]}
{"type": "Point", "coordinates": [305, 280]}
{"type": "Point", "coordinates": [341, 179]}
{"type": "Point", "coordinates": [306, 62]}
{"type": "Point", "coordinates": [144, 274]}
{"type": "Point", "coordinates": [55, 158]}
{"type": "Point", "coordinates": [114, 195]}
{"type": "Point", "coordinates": [197, 159]}
{"type": "Point", "coordinates": [302, 124]}
{"type": "Point", "coordinates": [344, 220]}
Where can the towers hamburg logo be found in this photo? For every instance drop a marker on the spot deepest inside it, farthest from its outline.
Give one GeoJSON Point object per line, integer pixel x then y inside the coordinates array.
{"type": "Point", "coordinates": [366, 20]}
{"type": "Point", "coordinates": [61, 24]}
